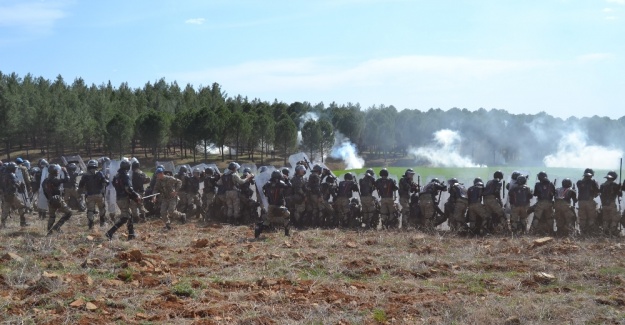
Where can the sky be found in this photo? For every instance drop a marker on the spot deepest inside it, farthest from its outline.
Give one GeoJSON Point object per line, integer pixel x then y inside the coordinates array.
{"type": "Point", "coordinates": [563, 57]}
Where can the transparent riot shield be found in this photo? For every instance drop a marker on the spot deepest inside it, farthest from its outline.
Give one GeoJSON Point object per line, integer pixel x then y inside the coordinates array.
{"type": "Point", "coordinates": [300, 157]}
{"type": "Point", "coordinates": [189, 170]}
{"type": "Point", "coordinates": [167, 165]}
{"type": "Point", "coordinates": [74, 159]}
{"type": "Point", "coordinates": [110, 193]}
{"type": "Point", "coordinates": [42, 202]}
{"type": "Point", "coordinates": [24, 197]}
{"type": "Point", "coordinates": [252, 167]}
{"type": "Point", "coordinates": [261, 179]}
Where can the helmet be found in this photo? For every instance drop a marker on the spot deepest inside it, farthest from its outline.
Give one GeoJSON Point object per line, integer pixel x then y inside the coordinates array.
{"type": "Point", "coordinates": [161, 166]}
{"type": "Point", "coordinates": [262, 169]}
{"type": "Point", "coordinates": [27, 164]}
{"type": "Point", "coordinates": [159, 170]}
{"type": "Point", "coordinates": [370, 172]}
{"type": "Point", "coordinates": [435, 180]}
{"type": "Point", "coordinates": [72, 166]}
{"type": "Point", "coordinates": [409, 172]}
{"type": "Point", "coordinates": [384, 172]}
{"type": "Point", "coordinates": [542, 175]}
{"type": "Point", "coordinates": [611, 175]}
{"type": "Point", "coordinates": [521, 180]}
{"type": "Point", "coordinates": [477, 181]}
{"type": "Point", "coordinates": [182, 170]}
{"type": "Point", "coordinates": [135, 165]}
{"type": "Point", "coordinates": [42, 163]}
{"type": "Point", "coordinates": [588, 172]}
{"type": "Point", "coordinates": [53, 169]}
{"type": "Point", "coordinates": [300, 170]}
{"type": "Point", "coordinates": [92, 164]}
{"type": "Point", "coordinates": [104, 160]}
{"type": "Point", "coordinates": [285, 171]}
{"type": "Point", "coordinates": [234, 166]}
{"type": "Point", "coordinates": [11, 167]}
{"type": "Point", "coordinates": [317, 168]}
{"type": "Point", "coordinates": [515, 175]}
{"type": "Point", "coordinates": [247, 170]}
{"type": "Point", "coordinates": [567, 183]}
{"type": "Point", "coordinates": [209, 170]}
{"type": "Point", "coordinates": [276, 174]}
{"type": "Point", "coordinates": [124, 165]}
{"type": "Point", "coordinates": [348, 177]}
{"type": "Point", "coordinates": [452, 181]}
{"type": "Point", "coordinates": [498, 175]}
{"type": "Point", "coordinates": [197, 172]}
{"type": "Point", "coordinates": [19, 161]}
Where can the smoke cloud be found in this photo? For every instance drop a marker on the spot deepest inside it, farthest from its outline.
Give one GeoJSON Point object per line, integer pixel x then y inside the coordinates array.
{"type": "Point", "coordinates": [445, 152]}
{"type": "Point", "coordinates": [575, 152]}
{"type": "Point", "coordinates": [306, 117]}
{"type": "Point", "coordinates": [344, 149]}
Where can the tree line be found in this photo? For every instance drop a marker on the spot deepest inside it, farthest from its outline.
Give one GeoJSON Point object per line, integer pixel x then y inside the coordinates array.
{"type": "Point", "coordinates": [59, 118]}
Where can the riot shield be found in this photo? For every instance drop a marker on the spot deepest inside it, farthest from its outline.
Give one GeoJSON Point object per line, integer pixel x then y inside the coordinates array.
{"type": "Point", "coordinates": [74, 159]}
{"type": "Point", "coordinates": [261, 180]}
{"type": "Point", "coordinates": [167, 165]}
{"type": "Point", "coordinates": [300, 156]}
{"type": "Point", "coordinates": [25, 196]}
{"type": "Point", "coordinates": [42, 202]}
{"type": "Point", "coordinates": [252, 167]}
{"type": "Point", "coordinates": [189, 170]}
{"type": "Point", "coordinates": [111, 194]}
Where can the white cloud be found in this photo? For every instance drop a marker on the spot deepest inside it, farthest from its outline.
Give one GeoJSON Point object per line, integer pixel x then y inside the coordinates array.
{"type": "Point", "coordinates": [31, 15]}
{"type": "Point", "coordinates": [620, 2]}
{"type": "Point", "coordinates": [608, 10]}
{"type": "Point", "coordinates": [611, 18]}
{"type": "Point", "coordinates": [595, 57]}
{"type": "Point", "coordinates": [195, 21]}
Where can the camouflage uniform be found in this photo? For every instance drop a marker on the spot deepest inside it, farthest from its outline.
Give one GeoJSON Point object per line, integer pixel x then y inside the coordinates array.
{"type": "Point", "coordinates": [328, 192]}
{"type": "Point", "coordinates": [124, 194]}
{"type": "Point", "coordinates": [92, 185]}
{"type": "Point", "coordinates": [138, 180]}
{"type": "Point", "coordinates": [368, 201]}
{"type": "Point", "coordinates": [52, 191]}
{"type": "Point", "coordinates": [314, 199]}
{"type": "Point", "coordinates": [342, 204]}
{"type": "Point", "coordinates": [406, 186]}
{"type": "Point", "coordinates": [494, 206]}
{"type": "Point", "coordinates": [10, 200]}
{"type": "Point", "coordinates": [249, 205]}
{"type": "Point", "coordinates": [386, 188]}
{"type": "Point", "coordinates": [70, 190]}
{"type": "Point", "coordinates": [190, 196]}
{"type": "Point", "coordinates": [542, 223]}
{"type": "Point", "coordinates": [298, 199]}
{"type": "Point", "coordinates": [564, 212]}
{"type": "Point", "coordinates": [277, 213]}
{"type": "Point", "coordinates": [610, 191]}
{"type": "Point", "coordinates": [208, 195]}
{"type": "Point", "coordinates": [519, 197]}
{"type": "Point", "coordinates": [230, 181]}
{"type": "Point", "coordinates": [428, 204]}
{"type": "Point", "coordinates": [168, 186]}
{"type": "Point", "coordinates": [588, 190]}
{"type": "Point", "coordinates": [478, 216]}
{"type": "Point", "coordinates": [458, 194]}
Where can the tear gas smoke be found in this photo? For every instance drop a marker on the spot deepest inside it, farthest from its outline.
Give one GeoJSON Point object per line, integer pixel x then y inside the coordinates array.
{"type": "Point", "coordinates": [575, 152]}
{"type": "Point", "coordinates": [212, 148]}
{"type": "Point", "coordinates": [306, 117]}
{"type": "Point", "coordinates": [444, 152]}
{"type": "Point", "coordinates": [344, 149]}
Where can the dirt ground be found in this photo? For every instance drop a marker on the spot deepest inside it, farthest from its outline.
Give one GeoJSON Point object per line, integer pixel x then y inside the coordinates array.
{"type": "Point", "coordinates": [218, 274]}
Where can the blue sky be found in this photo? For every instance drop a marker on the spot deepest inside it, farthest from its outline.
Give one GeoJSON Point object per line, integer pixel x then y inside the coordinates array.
{"type": "Point", "coordinates": [566, 58]}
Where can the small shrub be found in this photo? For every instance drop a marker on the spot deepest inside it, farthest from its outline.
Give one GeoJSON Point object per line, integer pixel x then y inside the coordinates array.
{"type": "Point", "coordinates": [379, 315]}
{"type": "Point", "coordinates": [183, 289]}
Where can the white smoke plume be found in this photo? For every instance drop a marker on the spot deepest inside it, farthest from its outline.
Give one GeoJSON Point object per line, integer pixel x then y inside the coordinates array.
{"type": "Point", "coordinates": [211, 148]}
{"type": "Point", "coordinates": [445, 152]}
{"type": "Point", "coordinates": [575, 152]}
{"type": "Point", "coordinates": [308, 116]}
{"type": "Point", "coordinates": [344, 149]}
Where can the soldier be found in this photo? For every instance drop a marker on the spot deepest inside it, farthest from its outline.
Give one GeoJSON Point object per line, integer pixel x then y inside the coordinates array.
{"type": "Point", "coordinates": [386, 188]}
{"type": "Point", "coordinates": [609, 192]}
{"type": "Point", "coordinates": [11, 186]}
{"type": "Point", "coordinates": [563, 210]}
{"type": "Point", "coordinates": [52, 191]}
{"type": "Point", "coordinates": [519, 195]}
{"type": "Point", "coordinates": [406, 187]}
{"type": "Point", "coordinates": [191, 204]}
{"type": "Point", "coordinates": [428, 203]}
{"type": "Point", "coordinates": [314, 199]}
{"type": "Point", "coordinates": [298, 195]}
{"type": "Point", "coordinates": [246, 193]}
{"type": "Point", "coordinates": [587, 191]}
{"type": "Point", "coordinates": [168, 187]}
{"type": "Point", "coordinates": [328, 192]}
{"type": "Point", "coordinates": [368, 201]}
{"type": "Point", "coordinates": [477, 214]}
{"type": "Point", "coordinates": [544, 191]}
{"type": "Point", "coordinates": [92, 184]}
{"type": "Point", "coordinates": [231, 181]}
{"type": "Point", "coordinates": [138, 181]}
{"type": "Point", "coordinates": [345, 191]}
{"type": "Point", "coordinates": [211, 177]}
{"type": "Point", "coordinates": [37, 185]}
{"type": "Point", "coordinates": [458, 196]}
{"type": "Point", "coordinates": [124, 193]}
{"type": "Point", "coordinates": [70, 188]}
{"type": "Point", "coordinates": [21, 164]}
{"type": "Point", "coordinates": [494, 204]}
{"type": "Point", "coordinates": [277, 213]}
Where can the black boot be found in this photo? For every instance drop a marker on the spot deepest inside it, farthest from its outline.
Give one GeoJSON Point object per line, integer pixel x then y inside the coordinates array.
{"type": "Point", "coordinates": [51, 222]}
{"type": "Point", "coordinates": [258, 229]}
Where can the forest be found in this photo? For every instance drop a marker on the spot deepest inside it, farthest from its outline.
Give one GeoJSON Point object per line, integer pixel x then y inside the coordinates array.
{"type": "Point", "coordinates": [54, 118]}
